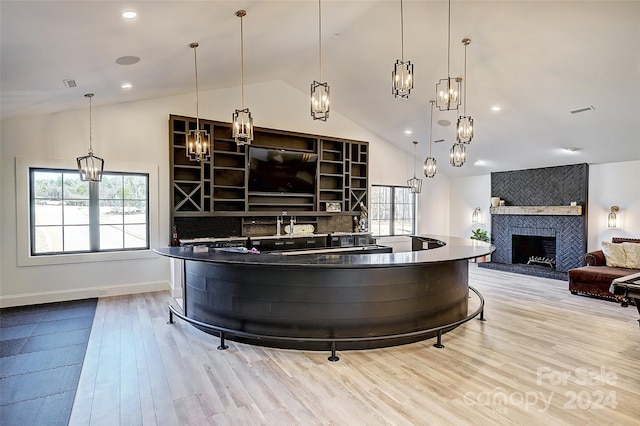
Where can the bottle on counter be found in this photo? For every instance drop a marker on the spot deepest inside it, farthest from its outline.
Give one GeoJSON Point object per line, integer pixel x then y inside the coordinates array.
{"type": "Point", "coordinates": [175, 241]}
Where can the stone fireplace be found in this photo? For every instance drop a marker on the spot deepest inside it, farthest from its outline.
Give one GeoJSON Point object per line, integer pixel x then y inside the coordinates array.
{"type": "Point", "coordinates": [538, 220]}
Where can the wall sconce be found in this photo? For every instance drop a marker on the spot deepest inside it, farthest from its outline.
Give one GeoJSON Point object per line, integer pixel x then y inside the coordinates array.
{"type": "Point", "coordinates": [476, 217]}
{"type": "Point", "coordinates": [612, 220]}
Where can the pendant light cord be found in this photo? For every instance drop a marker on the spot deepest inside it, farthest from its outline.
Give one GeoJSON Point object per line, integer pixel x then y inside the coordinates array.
{"type": "Point", "coordinates": [90, 95]}
{"type": "Point", "coordinates": [401, 32]}
{"type": "Point", "coordinates": [195, 61]}
{"type": "Point", "coordinates": [449, 46]}
{"type": "Point", "coordinates": [242, 62]}
{"type": "Point", "coordinates": [431, 127]}
{"type": "Point", "coordinates": [464, 107]}
{"type": "Point", "coordinates": [415, 143]}
{"type": "Point", "coordinates": [320, 39]}
{"type": "Point", "coordinates": [90, 128]}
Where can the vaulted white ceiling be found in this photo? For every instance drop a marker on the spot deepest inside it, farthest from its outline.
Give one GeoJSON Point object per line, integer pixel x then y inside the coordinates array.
{"type": "Point", "coordinates": [537, 60]}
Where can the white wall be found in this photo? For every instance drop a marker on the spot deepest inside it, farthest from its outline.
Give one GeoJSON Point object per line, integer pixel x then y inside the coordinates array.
{"type": "Point", "coordinates": [135, 133]}
{"type": "Point", "coordinates": [466, 194]}
{"type": "Point", "coordinates": [613, 184]}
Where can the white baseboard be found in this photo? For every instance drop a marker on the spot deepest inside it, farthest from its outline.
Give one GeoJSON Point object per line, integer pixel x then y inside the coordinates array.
{"type": "Point", "coordinates": [81, 293]}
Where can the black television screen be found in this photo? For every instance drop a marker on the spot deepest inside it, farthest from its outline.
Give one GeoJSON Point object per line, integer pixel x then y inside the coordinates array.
{"type": "Point", "coordinates": [275, 170]}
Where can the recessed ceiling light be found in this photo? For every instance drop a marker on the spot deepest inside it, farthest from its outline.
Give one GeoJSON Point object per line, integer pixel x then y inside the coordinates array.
{"type": "Point", "coordinates": [444, 123]}
{"type": "Point", "coordinates": [129, 14]}
{"type": "Point", "coordinates": [126, 85]}
{"type": "Point", "coordinates": [408, 132]}
{"type": "Point", "coordinates": [127, 60]}
{"type": "Point", "coordinates": [496, 108]}
{"type": "Point", "coordinates": [479, 163]}
{"type": "Point", "coordinates": [572, 149]}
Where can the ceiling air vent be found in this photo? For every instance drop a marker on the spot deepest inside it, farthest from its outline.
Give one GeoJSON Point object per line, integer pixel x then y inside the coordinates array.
{"type": "Point", "coordinates": [69, 83]}
{"type": "Point", "coordinates": [579, 110]}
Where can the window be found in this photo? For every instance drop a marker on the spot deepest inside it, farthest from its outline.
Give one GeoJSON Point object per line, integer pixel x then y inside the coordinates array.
{"type": "Point", "coordinates": [68, 215]}
{"type": "Point", "coordinates": [392, 211]}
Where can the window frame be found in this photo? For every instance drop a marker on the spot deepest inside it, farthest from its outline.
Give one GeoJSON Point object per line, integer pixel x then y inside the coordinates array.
{"type": "Point", "coordinates": [94, 203]}
{"type": "Point", "coordinates": [23, 214]}
{"type": "Point", "coordinates": [393, 206]}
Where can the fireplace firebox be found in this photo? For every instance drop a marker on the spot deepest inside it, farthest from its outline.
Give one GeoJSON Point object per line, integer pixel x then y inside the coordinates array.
{"type": "Point", "coordinates": [533, 250]}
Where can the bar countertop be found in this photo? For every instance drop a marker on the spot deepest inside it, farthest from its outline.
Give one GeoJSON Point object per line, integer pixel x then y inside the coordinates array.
{"type": "Point", "coordinates": [450, 248]}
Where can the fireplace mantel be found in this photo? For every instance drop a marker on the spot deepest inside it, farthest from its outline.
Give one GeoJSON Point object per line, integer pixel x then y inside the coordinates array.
{"type": "Point", "coordinates": [538, 210]}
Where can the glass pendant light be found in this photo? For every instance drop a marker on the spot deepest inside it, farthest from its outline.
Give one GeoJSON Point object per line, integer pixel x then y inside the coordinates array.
{"type": "Point", "coordinates": [90, 167]}
{"type": "Point", "coordinates": [198, 140]}
{"type": "Point", "coordinates": [402, 75]}
{"type": "Point", "coordinates": [242, 121]}
{"type": "Point", "coordinates": [430, 164]}
{"type": "Point", "coordinates": [464, 128]}
{"type": "Point", "coordinates": [448, 89]}
{"type": "Point", "coordinates": [414, 184]}
{"type": "Point", "coordinates": [320, 91]}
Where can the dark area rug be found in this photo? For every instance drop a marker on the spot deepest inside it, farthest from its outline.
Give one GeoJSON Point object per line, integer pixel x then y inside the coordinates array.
{"type": "Point", "coordinates": [42, 349]}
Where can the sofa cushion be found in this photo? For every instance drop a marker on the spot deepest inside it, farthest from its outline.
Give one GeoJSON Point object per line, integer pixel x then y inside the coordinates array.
{"type": "Point", "coordinates": [614, 254]}
{"type": "Point", "coordinates": [598, 274]}
{"type": "Point", "coordinates": [632, 251]}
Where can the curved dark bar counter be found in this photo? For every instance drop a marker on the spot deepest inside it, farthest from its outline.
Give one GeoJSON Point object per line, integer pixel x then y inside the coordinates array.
{"type": "Point", "coordinates": [330, 296]}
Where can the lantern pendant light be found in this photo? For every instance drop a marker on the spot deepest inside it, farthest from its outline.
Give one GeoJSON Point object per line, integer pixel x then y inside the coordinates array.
{"type": "Point", "coordinates": [458, 154]}
{"type": "Point", "coordinates": [90, 167]}
{"type": "Point", "coordinates": [402, 75]}
{"type": "Point", "coordinates": [198, 141]}
{"type": "Point", "coordinates": [448, 89]}
{"type": "Point", "coordinates": [242, 121]}
{"type": "Point", "coordinates": [319, 91]}
{"type": "Point", "coordinates": [430, 164]}
{"type": "Point", "coordinates": [464, 128]}
{"type": "Point", "coordinates": [414, 184]}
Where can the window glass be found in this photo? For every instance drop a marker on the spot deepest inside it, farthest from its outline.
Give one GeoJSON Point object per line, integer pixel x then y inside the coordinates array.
{"type": "Point", "coordinates": [392, 211]}
{"type": "Point", "coordinates": [68, 215]}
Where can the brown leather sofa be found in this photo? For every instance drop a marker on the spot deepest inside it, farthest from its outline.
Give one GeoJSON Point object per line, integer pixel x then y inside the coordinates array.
{"type": "Point", "coordinates": [595, 278]}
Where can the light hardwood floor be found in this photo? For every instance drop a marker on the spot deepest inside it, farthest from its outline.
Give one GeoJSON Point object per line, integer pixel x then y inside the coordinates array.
{"type": "Point", "coordinates": [543, 356]}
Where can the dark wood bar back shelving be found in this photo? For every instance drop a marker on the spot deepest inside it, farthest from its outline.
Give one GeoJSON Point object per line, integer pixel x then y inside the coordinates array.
{"type": "Point", "coordinates": [218, 186]}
